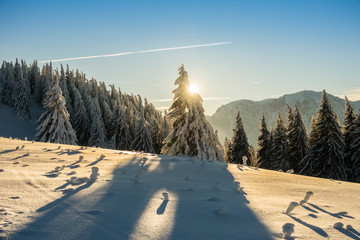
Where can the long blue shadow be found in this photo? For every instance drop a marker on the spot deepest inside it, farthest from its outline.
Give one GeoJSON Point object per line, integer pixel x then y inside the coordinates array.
{"type": "Point", "coordinates": [113, 212]}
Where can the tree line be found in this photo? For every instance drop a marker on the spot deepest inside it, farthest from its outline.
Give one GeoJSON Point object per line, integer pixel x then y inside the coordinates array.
{"type": "Point", "coordinates": [329, 151]}
{"type": "Point", "coordinates": [81, 111]}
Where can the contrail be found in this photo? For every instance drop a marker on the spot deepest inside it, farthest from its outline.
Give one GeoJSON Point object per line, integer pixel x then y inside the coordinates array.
{"type": "Point", "coordinates": [136, 52]}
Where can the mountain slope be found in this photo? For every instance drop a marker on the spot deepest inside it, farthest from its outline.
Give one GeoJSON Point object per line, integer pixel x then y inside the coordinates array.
{"type": "Point", "coordinates": [12, 126]}
{"type": "Point", "coordinates": [148, 196]}
{"type": "Point", "coordinates": [308, 103]}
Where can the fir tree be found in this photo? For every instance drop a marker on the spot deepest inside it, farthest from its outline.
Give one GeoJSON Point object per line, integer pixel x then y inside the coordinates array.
{"type": "Point", "coordinates": [81, 121]}
{"type": "Point", "coordinates": [326, 152]}
{"type": "Point", "coordinates": [297, 140]}
{"type": "Point", "coordinates": [227, 144]}
{"type": "Point", "coordinates": [22, 97]}
{"type": "Point", "coordinates": [8, 86]}
{"type": "Point", "coordinates": [2, 72]}
{"type": "Point", "coordinates": [142, 135]}
{"type": "Point", "coordinates": [192, 134]}
{"type": "Point", "coordinates": [263, 150]}
{"type": "Point", "coordinates": [34, 78]}
{"type": "Point", "coordinates": [349, 137]}
{"type": "Point", "coordinates": [97, 130]}
{"type": "Point", "coordinates": [121, 136]}
{"type": "Point", "coordinates": [64, 88]}
{"type": "Point", "coordinates": [239, 146]}
{"type": "Point", "coordinates": [280, 147]}
{"type": "Point", "coordinates": [354, 151]}
{"type": "Point", "coordinates": [54, 125]}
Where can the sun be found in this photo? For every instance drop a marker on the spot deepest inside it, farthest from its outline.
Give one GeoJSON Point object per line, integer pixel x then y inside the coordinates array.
{"type": "Point", "coordinates": [193, 88]}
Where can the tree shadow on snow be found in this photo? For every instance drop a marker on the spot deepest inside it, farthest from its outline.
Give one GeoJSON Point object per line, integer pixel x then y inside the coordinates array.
{"type": "Point", "coordinates": [339, 215]}
{"type": "Point", "coordinates": [348, 233]}
{"type": "Point", "coordinates": [316, 229]}
{"type": "Point", "coordinates": [199, 211]}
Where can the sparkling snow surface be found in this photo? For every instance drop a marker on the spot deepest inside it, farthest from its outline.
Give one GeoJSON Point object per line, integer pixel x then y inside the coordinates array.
{"type": "Point", "coordinates": [44, 195]}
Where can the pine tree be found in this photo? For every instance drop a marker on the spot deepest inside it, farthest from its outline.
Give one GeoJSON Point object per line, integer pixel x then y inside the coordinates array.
{"type": "Point", "coordinates": [34, 78]}
{"type": "Point", "coordinates": [54, 125]}
{"type": "Point", "coordinates": [264, 146]}
{"type": "Point", "coordinates": [354, 150]}
{"type": "Point", "coordinates": [297, 140]}
{"type": "Point", "coordinates": [22, 96]}
{"type": "Point", "coordinates": [290, 116]}
{"type": "Point", "coordinates": [142, 135]}
{"type": "Point", "coordinates": [227, 144]}
{"type": "Point", "coordinates": [349, 138]}
{"type": "Point", "coordinates": [64, 88]}
{"type": "Point", "coordinates": [165, 129]}
{"type": "Point", "coordinates": [280, 146]}
{"type": "Point", "coordinates": [192, 134]}
{"type": "Point", "coordinates": [239, 146]}
{"type": "Point", "coordinates": [81, 121]}
{"type": "Point", "coordinates": [121, 136]}
{"type": "Point", "coordinates": [326, 152]}
{"type": "Point", "coordinates": [97, 130]}
{"type": "Point", "coordinates": [2, 72]}
{"type": "Point", "coordinates": [8, 86]}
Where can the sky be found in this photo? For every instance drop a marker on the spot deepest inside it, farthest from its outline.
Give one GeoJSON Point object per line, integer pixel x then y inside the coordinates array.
{"type": "Point", "coordinates": [277, 47]}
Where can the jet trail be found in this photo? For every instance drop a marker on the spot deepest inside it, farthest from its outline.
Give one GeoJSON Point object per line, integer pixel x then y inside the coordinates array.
{"type": "Point", "coordinates": [137, 52]}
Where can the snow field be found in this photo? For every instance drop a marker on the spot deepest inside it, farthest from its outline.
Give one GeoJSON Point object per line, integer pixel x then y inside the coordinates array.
{"type": "Point", "coordinates": [146, 196]}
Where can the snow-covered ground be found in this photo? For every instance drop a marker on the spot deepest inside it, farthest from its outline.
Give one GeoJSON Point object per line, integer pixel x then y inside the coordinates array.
{"type": "Point", "coordinates": [146, 196]}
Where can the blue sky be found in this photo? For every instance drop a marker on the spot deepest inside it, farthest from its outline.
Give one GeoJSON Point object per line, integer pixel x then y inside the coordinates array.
{"type": "Point", "coordinates": [278, 47]}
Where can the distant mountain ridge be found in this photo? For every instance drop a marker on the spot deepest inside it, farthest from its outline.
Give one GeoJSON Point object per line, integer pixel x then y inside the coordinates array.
{"type": "Point", "coordinates": [307, 101]}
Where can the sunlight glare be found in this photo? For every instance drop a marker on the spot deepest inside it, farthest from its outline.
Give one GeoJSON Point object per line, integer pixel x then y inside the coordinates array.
{"type": "Point", "coordinates": [193, 88]}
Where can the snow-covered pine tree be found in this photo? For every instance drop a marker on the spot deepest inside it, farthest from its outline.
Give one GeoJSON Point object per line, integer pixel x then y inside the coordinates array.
{"type": "Point", "coordinates": [154, 118]}
{"type": "Point", "coordinates": [326, 151]}
{"type": "Point", "coordinates": [349, 118]}
{"type": "Point", "coordinates": [227, 144]}
{"type": "Point", "coordinates": [54, 125]}
{"type": "Point", "coordinates": [34, 78]}
{"type": "Point", "coordinates": [8, 86]}
{"type": "Point", "coordinates": [354, 150]}
{"type": "Point", "coordinates": [280, 147]}
{"type": "Point", "coordinates": [290, 116]}
{"type": "Point", "coordinates": [142, 136]}
{"type": "Point", "coordinates": [81, 121]}
{"type": "Point", "coordinates": [262, 153]}
{"type": "Point", "coordinates": [121, 136]}
{"type": "Point", "coordinates": [97, 130]}
{"type": "Point", "coordinates": [297, 140]}
{"type": "Point", "coordinates": [22, 96]}
{"type": "Point", "coordinates": [271, 150]}
{"type": "Point", "coordinates": [165, 129]}
{"type": "Point", "coordinates": [2, 72]}
{"type": "Point", "coordinates": [64, 88]}
{"type": "Point", "coordinates": [192, 134]}
{"type": "Point", "coordinates": [305, 165]}
{"type": "Point", "coordinates": [239, 146]}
